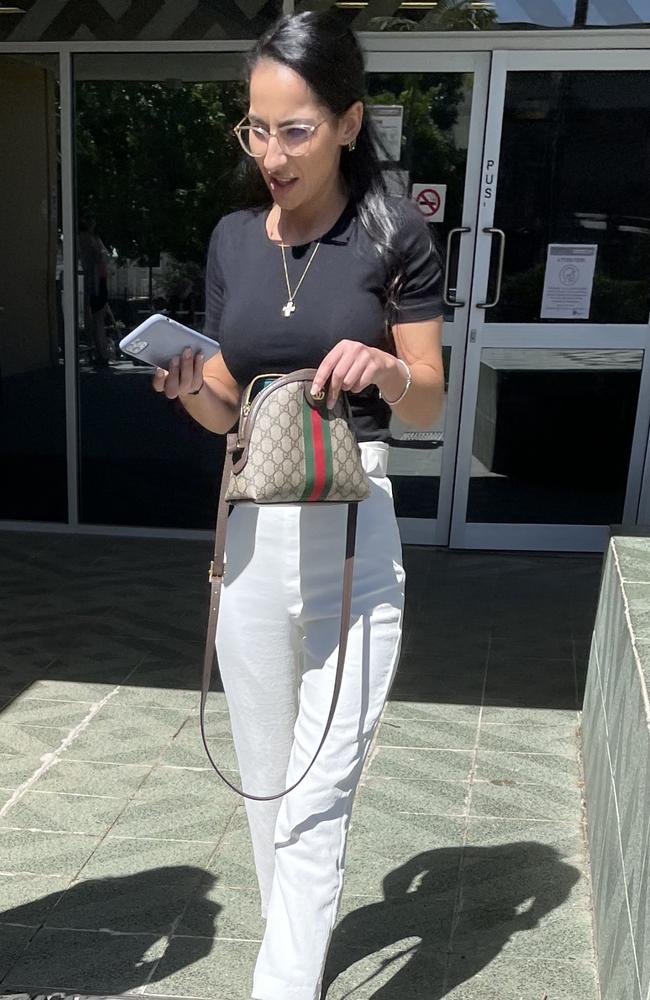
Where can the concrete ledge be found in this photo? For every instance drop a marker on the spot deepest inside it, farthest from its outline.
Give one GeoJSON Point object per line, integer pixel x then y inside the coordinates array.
{"type": "Point", "coordinates": [616, 747]}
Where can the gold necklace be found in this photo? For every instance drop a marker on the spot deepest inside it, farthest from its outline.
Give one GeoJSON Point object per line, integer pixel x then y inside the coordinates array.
{"type": "Point", "coordinates": [290, 307]}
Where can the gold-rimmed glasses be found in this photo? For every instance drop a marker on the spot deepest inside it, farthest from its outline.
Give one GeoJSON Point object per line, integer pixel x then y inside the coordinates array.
{"type": "Point", "coordinates": [293, 140]}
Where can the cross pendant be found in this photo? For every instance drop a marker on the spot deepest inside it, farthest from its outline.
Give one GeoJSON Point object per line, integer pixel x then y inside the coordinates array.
{"type": "Point", "coordinates": [289, 308]}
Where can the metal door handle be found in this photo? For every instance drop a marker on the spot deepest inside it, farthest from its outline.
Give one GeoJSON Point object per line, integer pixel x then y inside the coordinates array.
{"type": "Point", "coordinates": [445, 295]}
{"type": "Point", "coordinates": [502, 250]}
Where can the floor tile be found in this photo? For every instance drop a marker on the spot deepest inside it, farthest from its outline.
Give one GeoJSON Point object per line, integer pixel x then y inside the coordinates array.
{"type": "Point", "coordinates": [502, 978]}
{"type": "Point", "coordinates": [539, 913]}
{"type": "Point", "coordinates": [27, 899]}
{"type": "Point", "coordinates": [538, 683]}
{"type": "Point", "coordinates": [16, 768]}
{"type": "Point", "coordinates": [508, 843]}
{"type": "Point", "coordinates": [117, 857]}
{"type": "Point", "coordinates": [555, 770]}
{"type": "Point", "coordinates": [199, 967]}
{"type": "Point", "coordinates": [178, 815]}
{"type": "Point", "coordinates": [406, 968]}
{"type": "Point", "coordinates": [516, 738]}
{"type": "Point", "coordinates": [93, 778]}
{"type": "Point", "coordinates": [562, 803]}
{"type": "Point", "coordinates": [521, 716]}
{"type": "Point", "coordinates": [366, 922]}
{"type": "Point", "coordinates": [14, 942]}
{"type": "Point", "coordinates": [168, 782]}
{"type": "Point", "coordinates": [187, 749]}
{"type": "Point", "coordinates": [424, 711]}
{"type": "Point", "coordinates": [422, 764]}
{"type": "Point", "coordinates": [57, 689]}
{"type": "Point", "coordinates": [452, 735]}
{"type": "Point", "coordinates": [115, 742]}
{"type": "Point", "coordinates": [216, 910]}
{"type": "Point", "coordinates": [516, 648]}
{"type": "Point", "coordinates": [232, 863]}
{"type": "Point", "coordinates": [29, 741]}
{"type": "Point", "coordinates": [60, 812]}
{"type": "Point", "coordinates": [143, 903]}
{"type": "Point", "coordinates": [85, 961]}
{"type": "Point", "coordinates": [421, 847]}
{"type": "Point", "coordinates": [38, 712]}
{"type": "Point", "coordinates": [388, 796]}
{"type": "Point", "coordinates": [44, 853]}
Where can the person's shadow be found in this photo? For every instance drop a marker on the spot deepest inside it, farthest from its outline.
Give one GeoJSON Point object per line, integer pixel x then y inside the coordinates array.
{"type": "Point", "coordinates": [145, 904]}
{"type": "Point", "coordinates": [505, 890]}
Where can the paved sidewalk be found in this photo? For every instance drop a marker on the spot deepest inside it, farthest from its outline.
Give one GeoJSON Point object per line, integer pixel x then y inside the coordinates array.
{"type": "Point", "coordinates": [125, 864]}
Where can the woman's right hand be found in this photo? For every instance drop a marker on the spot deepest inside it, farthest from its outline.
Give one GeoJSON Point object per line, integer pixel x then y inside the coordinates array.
{"type": "Point", "coordinates": [185, 375]}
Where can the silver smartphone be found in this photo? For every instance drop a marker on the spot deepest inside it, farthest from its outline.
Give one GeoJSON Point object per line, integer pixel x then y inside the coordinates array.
{"type": "Point", "coordinates": [159, 339]}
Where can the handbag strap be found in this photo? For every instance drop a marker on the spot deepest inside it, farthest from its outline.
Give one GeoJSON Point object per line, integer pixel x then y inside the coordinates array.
{"type": "Point", "coordinates": [216, 579]}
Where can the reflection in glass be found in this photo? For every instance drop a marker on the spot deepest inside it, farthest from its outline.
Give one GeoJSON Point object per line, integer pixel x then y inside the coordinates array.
{"type": "Point", "coordinates": [436, 110]}
{"type": "Point", "coordinates": [32, 391]}
{"type": "Point", "coordinates": [415, 463]}
{"type": "Point", "coordinates": [573, 169]}
{"type": "Point", "coordinates": [491, 15]}
{"type": "Point", "coordinates": [155, 169]}
{"type": "Point", "coordinates": [553, 435]}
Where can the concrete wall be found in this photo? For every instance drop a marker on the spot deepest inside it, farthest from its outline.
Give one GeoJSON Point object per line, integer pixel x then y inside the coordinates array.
{"type": "Point", "coordinates": [616, 741]}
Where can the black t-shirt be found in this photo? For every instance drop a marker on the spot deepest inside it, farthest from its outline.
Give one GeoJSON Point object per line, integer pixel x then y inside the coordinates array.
{"type": "Point", "coordinates": [342, 297]}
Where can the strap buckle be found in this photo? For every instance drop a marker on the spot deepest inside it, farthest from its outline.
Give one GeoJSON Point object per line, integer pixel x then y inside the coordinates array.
{"type": "Point", "coordinates": [215, 575]}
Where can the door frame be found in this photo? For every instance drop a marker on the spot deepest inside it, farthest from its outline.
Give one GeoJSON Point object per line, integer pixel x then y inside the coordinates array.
{"type": "Point", "coordinates": [545, 537]}
{"type": "Point", "coordinates": [435, 531]}
{"type": "Point", "coordinates": [400, 48]}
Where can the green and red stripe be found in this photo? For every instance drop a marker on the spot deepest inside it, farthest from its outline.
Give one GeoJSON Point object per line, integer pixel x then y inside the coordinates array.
{"type": "Point", "coordinates": [318, 454]}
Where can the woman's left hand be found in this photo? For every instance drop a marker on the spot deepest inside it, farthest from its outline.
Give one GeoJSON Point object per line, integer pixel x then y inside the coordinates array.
{"type": "Point", "coordinates": [352, 366]}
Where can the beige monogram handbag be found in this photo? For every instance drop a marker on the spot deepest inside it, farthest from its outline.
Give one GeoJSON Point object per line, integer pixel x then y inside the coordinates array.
{"type": "Point", "coordinates": [289, 448]}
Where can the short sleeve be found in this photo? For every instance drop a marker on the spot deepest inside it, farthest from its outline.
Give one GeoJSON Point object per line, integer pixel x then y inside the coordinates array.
{"type": "Point", "coordinates": [214, 285]}
{"type": "Point", "coordinates": [420, 295]}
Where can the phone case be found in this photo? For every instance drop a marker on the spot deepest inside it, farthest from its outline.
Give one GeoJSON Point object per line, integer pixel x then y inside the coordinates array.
{"type": "Point", "coordinates": [159, 338]}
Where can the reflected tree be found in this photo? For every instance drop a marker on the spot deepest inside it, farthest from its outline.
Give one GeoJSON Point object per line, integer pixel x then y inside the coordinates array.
{"type": "Point", "coordinates": [156, 163]}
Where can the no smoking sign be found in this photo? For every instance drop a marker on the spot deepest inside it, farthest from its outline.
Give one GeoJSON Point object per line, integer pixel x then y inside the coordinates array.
{"type": "Point", "coordinates": [430, 199]}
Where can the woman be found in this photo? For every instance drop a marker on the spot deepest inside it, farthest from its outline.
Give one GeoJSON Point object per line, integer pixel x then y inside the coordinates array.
{"type": "Point", "coordinates": [306, 281]}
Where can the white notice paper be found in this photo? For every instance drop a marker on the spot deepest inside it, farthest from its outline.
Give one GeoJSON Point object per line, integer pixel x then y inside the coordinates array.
{"type": "Point", "coordinates": [388, 119]}
{"type": "Point", "coordinates": [568, 280]}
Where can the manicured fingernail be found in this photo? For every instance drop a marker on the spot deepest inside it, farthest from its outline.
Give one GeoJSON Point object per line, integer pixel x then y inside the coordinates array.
{"type": "Point", "coordinates": [175, 362]}
{"type": "Point", "coordinates": [187, 353]}
{"type": "Point", "coordinates": [200, 355]}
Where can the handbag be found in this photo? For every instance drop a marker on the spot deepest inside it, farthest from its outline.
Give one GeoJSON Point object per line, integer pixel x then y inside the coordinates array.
{"type": "Point", "coordinates": [289, 448]}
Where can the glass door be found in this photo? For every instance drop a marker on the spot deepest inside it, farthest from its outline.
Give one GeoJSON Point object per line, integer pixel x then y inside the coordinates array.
{"type": "Point", "coordinates": [556, 400]}
{"type": "Point", "coordinates": [430, 108]}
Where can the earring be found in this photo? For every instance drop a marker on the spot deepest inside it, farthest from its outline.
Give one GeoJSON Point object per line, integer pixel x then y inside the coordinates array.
{"type": "Point", "coordinates": [352, 145]}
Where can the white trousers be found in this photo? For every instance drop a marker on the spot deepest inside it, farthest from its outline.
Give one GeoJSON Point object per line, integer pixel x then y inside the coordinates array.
{"type": "Point", "coordinates": [277, 643]}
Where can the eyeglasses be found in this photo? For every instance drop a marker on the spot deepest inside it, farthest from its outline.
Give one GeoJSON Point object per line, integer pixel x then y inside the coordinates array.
{"type": "Point", "coordinates": [293, 140]}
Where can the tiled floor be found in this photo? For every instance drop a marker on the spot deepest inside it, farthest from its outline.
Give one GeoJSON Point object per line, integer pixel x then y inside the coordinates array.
{"type": "Point", "coordinates": [125, 864]}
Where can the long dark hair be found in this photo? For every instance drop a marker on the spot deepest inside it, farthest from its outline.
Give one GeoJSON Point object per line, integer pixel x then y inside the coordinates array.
{"type": "Point", "coordinates": [327, 55]}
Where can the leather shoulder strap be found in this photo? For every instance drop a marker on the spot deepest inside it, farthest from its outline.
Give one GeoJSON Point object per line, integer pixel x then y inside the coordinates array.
{"type": "Point", "coordinates": [216, 575]}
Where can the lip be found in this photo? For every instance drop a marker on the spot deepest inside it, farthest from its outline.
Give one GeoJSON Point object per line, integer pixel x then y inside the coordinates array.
{"type": "Point", "coordinates": [280, 184]}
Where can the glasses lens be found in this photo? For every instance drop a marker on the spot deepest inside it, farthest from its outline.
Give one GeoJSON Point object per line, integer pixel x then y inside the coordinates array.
{"type": "Point", "coordinates": [295, 139]}
{"type": "Point", "coordinates": [254, 140]}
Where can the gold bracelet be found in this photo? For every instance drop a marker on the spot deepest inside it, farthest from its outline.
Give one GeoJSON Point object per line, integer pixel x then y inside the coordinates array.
{"type": "Point", "coordinates": [409, 380]}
